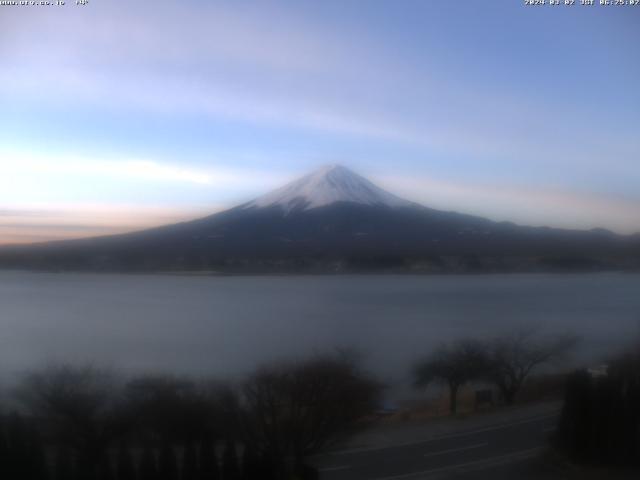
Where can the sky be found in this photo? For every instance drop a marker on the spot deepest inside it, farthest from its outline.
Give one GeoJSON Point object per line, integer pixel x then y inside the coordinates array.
{"type": "Point", "coordinates": [119, 115]}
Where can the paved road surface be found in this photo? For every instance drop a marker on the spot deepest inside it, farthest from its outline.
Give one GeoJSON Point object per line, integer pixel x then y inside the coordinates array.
{"type": "Point", "coordinates": [489, 451]}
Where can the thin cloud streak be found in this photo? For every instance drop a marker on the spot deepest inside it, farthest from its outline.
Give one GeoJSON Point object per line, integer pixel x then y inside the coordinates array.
{"type": "Point", "coordinates": [465, 133]}
{"type": "Point", "coordinates": [148, 170]}
{"type": "Point", "coordinates": [137, 71]}
{"type": "Point", "coordinates": [39, 223]}
{"type": "Point", "coordinates": [16, 165]}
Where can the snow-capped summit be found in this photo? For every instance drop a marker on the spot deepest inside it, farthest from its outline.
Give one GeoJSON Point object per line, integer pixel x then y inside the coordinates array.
{"type": "Point", "coordinates": [325, 186]}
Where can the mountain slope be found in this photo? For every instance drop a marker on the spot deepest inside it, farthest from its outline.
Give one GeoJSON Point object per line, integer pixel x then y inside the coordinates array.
{"type": "Point", "coordinates": [332, 220]}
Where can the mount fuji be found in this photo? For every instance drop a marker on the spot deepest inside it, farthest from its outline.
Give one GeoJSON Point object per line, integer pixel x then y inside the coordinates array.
{"type": "Point", "coordinates": [335, 220]}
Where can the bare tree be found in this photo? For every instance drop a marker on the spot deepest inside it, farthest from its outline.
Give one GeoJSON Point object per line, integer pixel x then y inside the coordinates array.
{"type": "Point", "coordinates": [454, 365]}
{"type": "Point", "coordinates": [600, 418]}
{"type": "Point", "coordinates": [513, 357]}
{"type": "Point", "coordinates": [294, 410]}
{"type": "Point", "coordinates": [168, 408]}
{"type": "Point", "coordinates": [80, 407]}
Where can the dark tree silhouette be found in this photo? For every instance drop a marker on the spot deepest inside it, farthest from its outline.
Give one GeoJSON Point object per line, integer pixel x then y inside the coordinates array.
{"type": "Point", "coordinates": [454, 365]}
{"type": "Point", "coordinates": [105, 469]}
{"type": "Point", "coordinates": [295, 410]}
{"type": "Point", "coordinates": [148, 465]}
{"type": "Point", "coordinates": [4, 449]}
{"type": "Point", "coordinates": [600, 419]}
{"type": "Point", "coordinates": [167, 463]}
{"type": "Point", "coordinates": [18, 457]}
{"type": "Point", "coordinates": [230, 467]}
{"type": "Point", "coordinates": [513, 357]}
{"type": "Point", "coordinates": [125, 467]}
{"type": "Point", "coordinates": [84, 412]}
{"type": "Point", "coordinates": [38, 468]}
{"type": "Point", "coordinates": [22, 452]}
{"type": "Point", "coordinates": [252, 465]}
{"type": "Point", "coordinates": [209, 469]}
{"type": "Point", "coordinates": [64, 465]}
{"type": "Point", "coordinates": [189, 462]}
{"type": "Point", "coordinates": [79, 407]}
{"type": "Point", "coordinates": [174, 409]}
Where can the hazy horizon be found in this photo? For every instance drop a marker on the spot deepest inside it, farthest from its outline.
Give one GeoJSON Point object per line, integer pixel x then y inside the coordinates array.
{"type": "Point", "coordinates": [120, 221]}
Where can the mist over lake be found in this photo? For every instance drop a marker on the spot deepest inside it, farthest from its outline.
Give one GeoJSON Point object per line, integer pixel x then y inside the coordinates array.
{"type": "Point", "coordinates": [226, 326]}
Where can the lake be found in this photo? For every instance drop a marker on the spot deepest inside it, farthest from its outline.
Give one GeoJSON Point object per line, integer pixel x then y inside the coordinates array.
{"type": "Point", "coordinates": [225, 326]}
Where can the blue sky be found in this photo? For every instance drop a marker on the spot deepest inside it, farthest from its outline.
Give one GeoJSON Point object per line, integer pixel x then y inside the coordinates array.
{"type": "Point", "coordinates": [121, 115]}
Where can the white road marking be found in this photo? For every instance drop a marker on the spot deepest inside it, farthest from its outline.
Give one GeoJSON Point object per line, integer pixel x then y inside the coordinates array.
{"type": "Point", "coordinates": [444, 437]}
{"type": "Point", "coordinates": [333, 469]}
{"type": "Point", "coordinates": [489, 462]}
{"type": "Point", "coordinates": [451, 450]}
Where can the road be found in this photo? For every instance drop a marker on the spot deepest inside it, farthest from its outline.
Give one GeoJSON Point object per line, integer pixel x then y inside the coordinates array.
{"type": "Point", "coordinates": [472, 453]}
